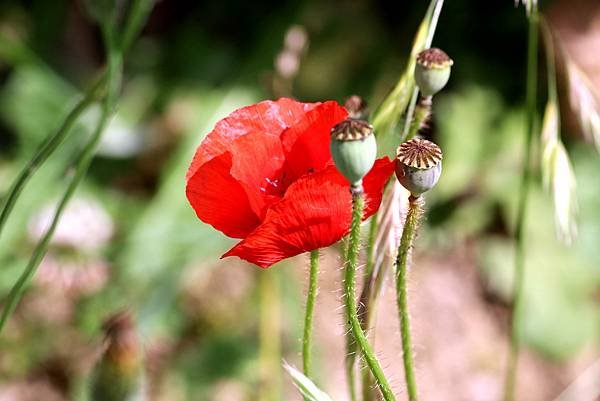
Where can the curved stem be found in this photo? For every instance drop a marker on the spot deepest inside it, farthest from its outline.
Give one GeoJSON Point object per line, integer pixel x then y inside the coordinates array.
{"type": "Point", "coordinates": [109, 82]}
{"type": "Point", "coordinates": [410, 226]}
{"type": "Point", "coordinates": [519, 266]}
{"type": "Point", "coordinates": [350, 364]}
{"type": "Point", "coordinates": [349, 287]}
{"type": "Point", "coordinates": [308, 317]}
{"type": "Point", "coordinates": [81, 168]}
{"type": "Point", "coordinates": [45, 150]}
{"type": "Point", "coordinates": [367, 305]}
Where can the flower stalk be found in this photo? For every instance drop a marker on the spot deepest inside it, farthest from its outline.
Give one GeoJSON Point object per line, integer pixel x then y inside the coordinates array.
{"type": "Point", "coordinates": [415, 207]}
{"type": "Point", "coordinates": [350, 295]}
{"type": "Point", "coordinates": [418, 169]}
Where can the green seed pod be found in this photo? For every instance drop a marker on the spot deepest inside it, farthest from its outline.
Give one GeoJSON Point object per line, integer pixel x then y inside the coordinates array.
{"type": "Point", "coordinates": [432, 71]}
{"type": "Point", "coordinates": [418, 165]}
{"type": "Point", "coordinates": [354, 149]}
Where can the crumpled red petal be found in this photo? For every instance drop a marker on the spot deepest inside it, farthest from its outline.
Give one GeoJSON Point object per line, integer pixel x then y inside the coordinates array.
{"type": "Point", "coordinates": [306, 143]}
{"type": "Point", "coordinates": [220, 200]}
{"type": "Point", "coordinates": [314, 213]}
{"type": "Point", "coordinates": [263, 117]}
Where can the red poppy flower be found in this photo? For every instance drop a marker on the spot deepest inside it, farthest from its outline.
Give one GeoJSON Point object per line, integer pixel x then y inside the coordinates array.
{"type": "Point", "coordinates": [265, 175]}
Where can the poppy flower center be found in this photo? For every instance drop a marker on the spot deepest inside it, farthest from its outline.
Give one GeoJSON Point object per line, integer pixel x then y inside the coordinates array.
{"type": "Point", "coordinates": [278, 185]}
{"type": "Point", "coordinates": [274, 186]}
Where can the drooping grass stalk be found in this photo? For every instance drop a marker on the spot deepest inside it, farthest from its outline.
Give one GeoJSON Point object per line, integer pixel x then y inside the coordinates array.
{"type": "Point", "coordinates": [350, 298]}
{"type": "Point", "coordinates": [269, 388]}
{"type": "Point", "coordinates": [45, 150]}
{"type": "Point", "coordinates": [415, 95]}
{"type": "Point", "coordinates": [81, 168]}
{"type": "Point", "coordinates": [519, 261]}
{"type": "Point", "coordinates": [110, 88]}
{"type": "Point", "coordinates": [308, 316]}
{"type": "Point", "coordinates": [415, 206]}
{"type": "Point", "coordinates": [138, 13]}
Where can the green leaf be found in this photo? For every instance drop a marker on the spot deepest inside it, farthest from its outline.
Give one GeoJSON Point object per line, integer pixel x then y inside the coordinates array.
{"type": "Point", "coordinates": [388, 115]}
{"type": "Point", "coordinates": [307, 388]}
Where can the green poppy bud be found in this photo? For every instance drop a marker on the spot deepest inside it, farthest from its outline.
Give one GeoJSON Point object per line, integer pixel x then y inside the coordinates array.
{"type": "Point", "coordinates": [418, 165]}
{"type": "Point", "coordinates": [432, 71]}
{"type": "Point", "coordinates": [354, 149]}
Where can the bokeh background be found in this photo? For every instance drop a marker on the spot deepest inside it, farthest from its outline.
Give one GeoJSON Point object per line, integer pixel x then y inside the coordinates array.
{"type": "Point", "coordinates": [130, 241]}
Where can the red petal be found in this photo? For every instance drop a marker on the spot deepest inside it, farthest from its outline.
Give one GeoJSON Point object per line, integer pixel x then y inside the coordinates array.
{"type": "Point", "coordinates": [306, 143]}
{"type": "Point", "coordinates": [314, 213]}
{"type": "Point", "coordinates": [264, 117]}
{"type": "Point", "coordinates": [220, 200]}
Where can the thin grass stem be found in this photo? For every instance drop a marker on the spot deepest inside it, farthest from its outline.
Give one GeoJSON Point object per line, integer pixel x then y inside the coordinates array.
{"type": "Point", "coordinates": [111, 80]}
{"type": "Point", "coordinates": [46, 149]}
{"type": "Point", "coordinates": [81, 168]}
{"type": "Point", "coordinates": [519, 261]}
{"type": "Point", "coordinates": [269, 387]}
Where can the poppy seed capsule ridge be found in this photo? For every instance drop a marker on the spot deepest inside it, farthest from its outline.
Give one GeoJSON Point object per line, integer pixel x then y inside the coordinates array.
{"type": "Point", "coordinates": [418, 165]}
{"type": "Point", "coordinates": [354, 149]}
{"type": "Point", "coordinates": [432, 71]}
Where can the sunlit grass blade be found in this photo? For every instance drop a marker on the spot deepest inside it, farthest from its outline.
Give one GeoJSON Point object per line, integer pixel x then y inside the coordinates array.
{"type": "Point", "coordinates": [523, 196]}
{"type": "Point", "coordinates": [529, 4]}
{"type": "Point", "coordinates": [564, 194]}
{"type": "Point", "coordinates": [307, 388]}
{"type": "Point", "coordinates": [557, 171]}
{"type": "Point", "coordinates": [389, 114]}
{"type": "Point", "coordinates": [558, 176]}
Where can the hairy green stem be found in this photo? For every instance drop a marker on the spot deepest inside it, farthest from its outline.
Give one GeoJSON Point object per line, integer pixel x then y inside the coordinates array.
{"type": "Point", "coordinates": [349, 287]}
{"type": "Point", "coordinates": [366, 307]}
{"type": "Point", "coordinates": [308, 317]}
{"type": "Point", "coordinates": [415, 206]}
{"type": "Point", "coordinates": [519, 261]}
